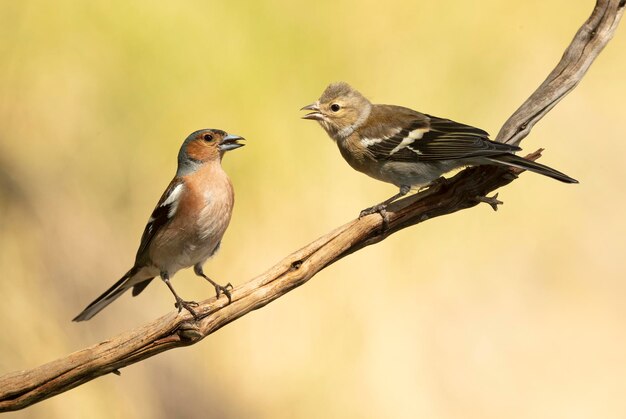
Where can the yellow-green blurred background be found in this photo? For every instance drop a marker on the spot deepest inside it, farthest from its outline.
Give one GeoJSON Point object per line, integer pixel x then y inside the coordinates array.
{"type": "Point", "coordinates": [516, 314]}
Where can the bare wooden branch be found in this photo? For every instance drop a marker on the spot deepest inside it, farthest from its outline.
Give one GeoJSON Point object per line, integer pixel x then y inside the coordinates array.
{"type": "Point", "coordinates": [466, 189]}
{"type": "Point", "coordinates": [588, 42]}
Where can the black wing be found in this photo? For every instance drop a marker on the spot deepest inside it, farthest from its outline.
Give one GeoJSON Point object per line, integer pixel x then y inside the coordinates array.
{"type": "Point", "coordinates": [427, 137]}
{"type": "Point", "coordinates": [162, 214]}
{"type": "Point", "coordinates": [448, 140]}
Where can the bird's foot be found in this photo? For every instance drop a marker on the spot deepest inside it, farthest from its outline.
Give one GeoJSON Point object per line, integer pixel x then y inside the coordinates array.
{"type": "Point", "coordinates": [491, 200]}
{"type": "Point", "coordinates": [380, 209]}
{"type": "Point", "coordinates": [220, 289]}
{"type": "Point", "coordinates": [187, 305]}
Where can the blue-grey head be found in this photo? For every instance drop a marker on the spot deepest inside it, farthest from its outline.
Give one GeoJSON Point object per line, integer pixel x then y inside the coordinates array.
{"type": "Point", "coordinates": [204, 146]}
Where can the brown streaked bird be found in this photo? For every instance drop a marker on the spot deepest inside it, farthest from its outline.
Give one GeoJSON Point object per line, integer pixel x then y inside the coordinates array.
{"type": "Point", "coordinates": [407, 148]}
{"type": "Point", "coordinates": [187, 225]}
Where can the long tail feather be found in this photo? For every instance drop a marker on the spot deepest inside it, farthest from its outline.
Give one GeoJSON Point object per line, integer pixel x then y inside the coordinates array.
{"type": "Point", "coordinates": [522, 163]}
{"type": "Point", "coordinates": [137, 288]}
{"type": "Point", "coordinates": [106, 298]}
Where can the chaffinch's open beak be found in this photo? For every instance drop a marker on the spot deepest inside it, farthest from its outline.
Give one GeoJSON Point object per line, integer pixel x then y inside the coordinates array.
{"type": "Point", "coordinates": [316, 115]}
{"type": "Point", "coordinates": [230, 142]}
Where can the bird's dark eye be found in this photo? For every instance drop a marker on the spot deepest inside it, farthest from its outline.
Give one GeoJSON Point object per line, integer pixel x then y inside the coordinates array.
{"type": "Point", "coordinates": [207, 137]}
{"type": "Point", "coordinates": [335, 107]}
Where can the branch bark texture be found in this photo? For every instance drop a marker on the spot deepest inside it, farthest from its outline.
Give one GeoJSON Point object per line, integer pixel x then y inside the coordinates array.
{"type": "Point", "coordinates": [467, 189]}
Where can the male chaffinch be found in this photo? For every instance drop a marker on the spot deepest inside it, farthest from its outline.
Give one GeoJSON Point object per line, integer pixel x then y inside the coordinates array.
{"type": "Point", "coordinates": [187, 225]}
{"type": "Point", "coordinates": [404, 147]}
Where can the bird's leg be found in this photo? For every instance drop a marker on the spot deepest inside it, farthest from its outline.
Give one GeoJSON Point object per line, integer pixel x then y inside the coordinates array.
{"type": "Point", "coordinates": [218, 288]}
{"type": "Point", "coordinates": [432, 185]}
{"type": "Point", "coordinates": [180, 303]}
{"type": "Point", "coordinates": [381, 208]}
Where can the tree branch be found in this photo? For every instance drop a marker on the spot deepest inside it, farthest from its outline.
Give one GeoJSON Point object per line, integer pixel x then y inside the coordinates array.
{"type": "Point", "coordinates": [589, 41]}
{"type": "Point", "coordinates": [466, 189]}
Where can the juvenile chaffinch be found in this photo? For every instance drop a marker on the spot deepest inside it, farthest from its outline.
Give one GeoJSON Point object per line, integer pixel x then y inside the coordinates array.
{"type": "Point", "coordinates": [187, 225]}
{"type": "Point", "coordinates": [404, 147]}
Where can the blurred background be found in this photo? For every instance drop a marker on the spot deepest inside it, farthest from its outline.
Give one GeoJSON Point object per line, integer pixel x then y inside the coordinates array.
{"type": "Point", "coordinates": [513, 314]}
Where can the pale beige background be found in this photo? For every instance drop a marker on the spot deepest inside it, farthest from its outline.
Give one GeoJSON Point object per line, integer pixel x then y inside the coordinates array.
{"type": "Point", "coordinates": [514, 314]}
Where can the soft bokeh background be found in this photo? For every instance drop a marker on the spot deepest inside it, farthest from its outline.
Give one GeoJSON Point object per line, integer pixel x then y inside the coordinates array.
{"type": "Point", "coordinates": [516, 314]}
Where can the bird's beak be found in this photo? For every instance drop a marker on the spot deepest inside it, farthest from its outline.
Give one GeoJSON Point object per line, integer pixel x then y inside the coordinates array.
{"type": "Point", "coordinates": [230, 142]}
{"type": "Point", "coordinates": [316, 115]}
